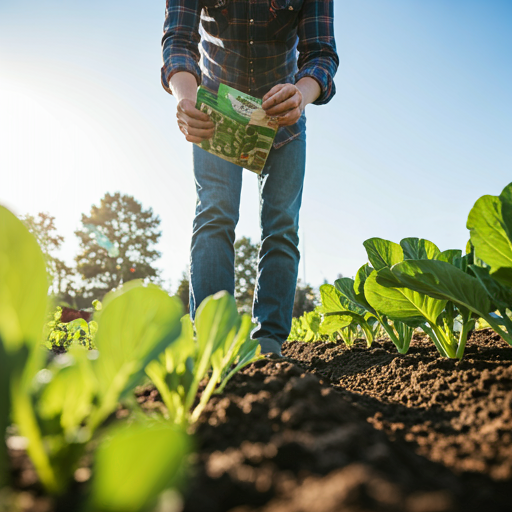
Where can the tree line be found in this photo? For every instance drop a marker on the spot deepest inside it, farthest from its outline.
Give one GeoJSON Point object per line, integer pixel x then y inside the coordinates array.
{"type": "Point", "coordinates": [117, 243]}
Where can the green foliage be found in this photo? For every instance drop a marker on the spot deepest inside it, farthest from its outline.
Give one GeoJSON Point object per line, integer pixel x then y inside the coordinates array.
{"type": "Point", "coordinates": [354, 292]}
{"type": "Point", "coordinates": [63, 334]}
{"type": "Point", "coordinates": [42, 227]}
{"type": "Point", "coordinates": [156, 449]}
{"type": "Point", "coordinates": [117, 243]}
{"type": "Point", "coordinates": [58, 409]}
{"type": "Point", "coordinates": [246, 272]}
{"type": "Point", "coordinates": [411, 305]}
{"type": "Point", "coordinates": [305, 300]}
{"type": "Point", "coordinates": [221, 347]}
{"type": "Point", "coordinates": [342, 315]}
{"type": "Point", "coordinates": [307, 328]}
{"type": "Point", "coordinates": [183, 291]}
{"type": "Point", "coordinates": [490, 226]}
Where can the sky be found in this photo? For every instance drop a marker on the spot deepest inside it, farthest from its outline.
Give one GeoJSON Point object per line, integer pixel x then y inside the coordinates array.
{"type": "Point", "coordinates": [420, 127]}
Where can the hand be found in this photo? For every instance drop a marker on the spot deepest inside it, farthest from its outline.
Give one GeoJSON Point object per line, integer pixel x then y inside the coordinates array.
{"type": "Point", "coordinates": [285, 103]}
{"type": "Point", "coordinates": [194, 124]}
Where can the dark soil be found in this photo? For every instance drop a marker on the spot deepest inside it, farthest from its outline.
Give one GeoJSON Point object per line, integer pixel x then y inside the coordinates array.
{"type": "Point", "coordinates": [337, 429]}
{"type": "Point", "coordinates": [354, 429]}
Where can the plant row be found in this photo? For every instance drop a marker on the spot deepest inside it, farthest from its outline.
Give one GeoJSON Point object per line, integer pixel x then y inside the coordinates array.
{"type": "Point", "coordinates": [414, 285]}
{"type": "Point", "coordinates": [61, 406]}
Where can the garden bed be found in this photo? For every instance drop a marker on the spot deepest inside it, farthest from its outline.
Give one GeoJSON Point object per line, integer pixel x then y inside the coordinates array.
{"type": "Point", "coordinates": [333, 428]}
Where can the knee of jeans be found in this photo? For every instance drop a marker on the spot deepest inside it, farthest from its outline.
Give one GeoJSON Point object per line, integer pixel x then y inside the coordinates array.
{"type": "Point", "coordinates": [283, 225]}
{"type": "Point", "coordinates": [216, 218]}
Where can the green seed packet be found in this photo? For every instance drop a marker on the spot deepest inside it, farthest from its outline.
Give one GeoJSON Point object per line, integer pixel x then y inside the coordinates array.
{"type": "Point", "coordinates": [243, 132]}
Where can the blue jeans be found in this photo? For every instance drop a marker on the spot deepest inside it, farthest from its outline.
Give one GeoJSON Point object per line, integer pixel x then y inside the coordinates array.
{"type": "Point", "coordinates": [212, 255]}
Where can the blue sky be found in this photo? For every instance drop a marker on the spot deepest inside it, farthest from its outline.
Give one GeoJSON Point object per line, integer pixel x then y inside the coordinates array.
{"type": "Point", "coordinates": [421, 125]}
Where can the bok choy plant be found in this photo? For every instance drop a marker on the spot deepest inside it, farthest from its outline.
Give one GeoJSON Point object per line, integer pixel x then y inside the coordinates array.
{"type": "Point", "coordinates": [343, 316]}
{"type": "Point", "coordinates": [410, 304]}
{"type": "Point", "coordinates": [59, 409]}
{"type": "Point", "coordinates": [220, 348]}
{"type": "Point", "coordinates": [353, 291]}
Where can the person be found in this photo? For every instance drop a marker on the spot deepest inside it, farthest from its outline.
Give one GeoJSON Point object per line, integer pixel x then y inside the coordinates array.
{"type": "Point", "coordinates": [283, 52]}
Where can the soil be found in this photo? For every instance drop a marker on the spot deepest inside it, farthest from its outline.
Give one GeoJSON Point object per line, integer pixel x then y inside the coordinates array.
{"type": "Point", "coordinates": [337, 429]}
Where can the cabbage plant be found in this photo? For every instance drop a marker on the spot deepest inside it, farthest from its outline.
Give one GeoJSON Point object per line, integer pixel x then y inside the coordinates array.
{"type": "Point", "coordinates": [438, 315]}
{"type": "Point", "coordinates": [60, 408]}
{"type": "Point", "coordinates": [220, 347]}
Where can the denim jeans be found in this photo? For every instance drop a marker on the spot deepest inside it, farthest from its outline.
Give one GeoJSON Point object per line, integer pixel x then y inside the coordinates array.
{"type": "Point", "coordinates": [218, 186]}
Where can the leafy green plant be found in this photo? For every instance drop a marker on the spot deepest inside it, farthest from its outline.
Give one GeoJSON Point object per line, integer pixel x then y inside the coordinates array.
{"type": "Point", "coordinates": [411, 305]}
{"type": "Point", "coordinates": [220, 348]}
{"type": "Point", "coordinates": [307, 328]}
{"type": "Point", "coordinates": [444, 281]}
{"type": "Point", "coordinates": [23, 302]}
{"type": "Point", "coordinates": [343, 316]}
{"type": "Point", "coordinates": [62, 334]}
{"type": "Point", "coordinates": [59, 409]}
{"type": "Point", "coordinates": [158, 451]}
{"type": "Point", "coordinates": [490, 226]}
{"type": "Point", "coordinates": [353, 291]}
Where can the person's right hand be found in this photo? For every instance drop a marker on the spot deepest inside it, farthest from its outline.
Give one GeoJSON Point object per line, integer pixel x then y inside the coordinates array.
{"type": "Point", "coordinates": [194, 124]}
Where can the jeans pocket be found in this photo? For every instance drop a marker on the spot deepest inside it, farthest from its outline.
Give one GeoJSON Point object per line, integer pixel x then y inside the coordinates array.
{"type": "Point", "coordinates": [284, 15]}
{"type": "Point", "coordinates": [216, 16]}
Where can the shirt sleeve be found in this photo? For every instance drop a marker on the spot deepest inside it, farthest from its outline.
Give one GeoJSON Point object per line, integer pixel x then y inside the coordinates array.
{"type": "Point", "coordinates": [180, 50]}
{"type": "Point", "coordinates": [318, 58]}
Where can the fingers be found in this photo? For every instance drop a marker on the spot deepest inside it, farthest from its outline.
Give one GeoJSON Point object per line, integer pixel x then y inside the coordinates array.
{"type": "Point", "coordinates": [289, 118]}
{"type": "Point", "coordinates": [198, 133]}
{"type": "Point", "coordinates": [188, 108]}
{"type": "Point", "coordinates": [194, 122]}
{"type": "Point", "coordinates": [285, 92]}
{"type": "Point", "coordinates": [272, 91]}
{"type": "Point", "coordinates": [289, 104]}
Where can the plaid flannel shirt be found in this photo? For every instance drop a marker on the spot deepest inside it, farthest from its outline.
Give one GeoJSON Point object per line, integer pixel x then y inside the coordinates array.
{"type": "Point", "coordinates": [252, 45]}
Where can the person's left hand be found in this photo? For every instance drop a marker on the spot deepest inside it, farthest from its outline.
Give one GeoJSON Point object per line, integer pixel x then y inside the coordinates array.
{"type": "Point", "coordinates": [285, 103]}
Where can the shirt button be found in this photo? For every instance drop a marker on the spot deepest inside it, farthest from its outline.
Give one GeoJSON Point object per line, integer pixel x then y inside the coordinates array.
{"type": "Point", "coordinates": [290, 8]}
{"type": "Point", "coordinates": [251, 42]}
{"type": "Point", "coordinates": [252, 70]}
{"type": "Point", "coordinates": [251, 21]}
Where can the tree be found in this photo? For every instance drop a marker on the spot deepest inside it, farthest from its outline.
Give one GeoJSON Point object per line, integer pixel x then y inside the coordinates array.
{"type": "Point", "coordinates": [184, 291]}
{"type": "Point", "coordinates": [246, 272]}
{"type": "Point", "coordinates": [61, 275]}
{"type": "Point", "coordinates": [117, 244]}
{"type": "Point", "coordinates": [305, 300]}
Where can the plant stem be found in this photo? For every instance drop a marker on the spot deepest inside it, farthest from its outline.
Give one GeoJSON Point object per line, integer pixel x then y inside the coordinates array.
{"type": "Point", "coordinates": [23, 415]}
{"type": "Point", "coordinates": [207, 393]}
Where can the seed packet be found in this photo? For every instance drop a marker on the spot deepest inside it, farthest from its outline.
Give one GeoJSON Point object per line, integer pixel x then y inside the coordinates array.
{"type": "Point", "coordinates": [243, 132]}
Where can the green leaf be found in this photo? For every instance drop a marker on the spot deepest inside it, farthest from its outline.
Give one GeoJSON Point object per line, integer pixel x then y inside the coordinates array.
{"type": "Point", "coordinates": [490, 234]}
{"type": "Point", "coordinates": [135, 464]}
{"type": "Point", "coordinates": [137, 323]}
{"type": "Point", "coordinates": [419, 249]}
{"type": "Point", "coordinates": [23, 284]}
{"type": "Point", "coordinates": [70, 393]}
{"type": "Point", "coordinates": [346, 286]}
{"type": "Point", "coordinates": [500, 295]}
{"type": "Point", "coordinates": [383, 253]}
{"type": "Point", "coordinates": [331, 299]}
{"type": "Point", "coordinates": [506, 209]}
{"type": "Point", "coordinates": [443, 281]}
{"type": "Point", "coordinates": [450, 255]}
{"type": "Point", "coordinates": [405, 305]}
{"type": "Point", "coordinates": [334, 323]}
{"type": "Point", "coordinates": [362, 275]}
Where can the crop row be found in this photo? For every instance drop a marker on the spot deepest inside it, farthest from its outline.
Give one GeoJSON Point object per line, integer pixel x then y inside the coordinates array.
{"type": "Point", "coordinates": [58, 408]}
{"type": "Point", "coordinates": [414, 285]}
